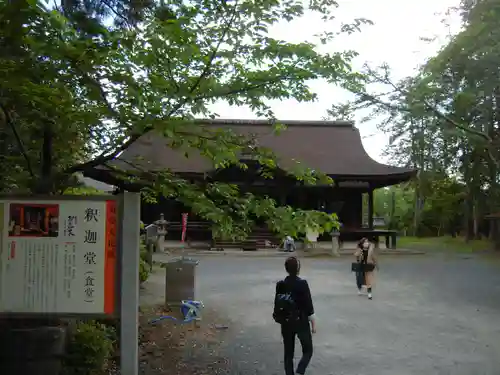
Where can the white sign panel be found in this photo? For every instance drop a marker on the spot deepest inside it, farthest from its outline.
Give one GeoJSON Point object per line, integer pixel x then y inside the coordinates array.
{"type": "Point", "coordinates": [58, 256]}
{"type": "Point", "coordinates": [312, 235]}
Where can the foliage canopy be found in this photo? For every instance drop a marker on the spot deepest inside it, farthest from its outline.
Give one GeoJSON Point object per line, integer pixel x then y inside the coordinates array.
{"type": "Point", "coordinates": [445, 120]}
{"type": "Point", "coordinates": [75, 92]}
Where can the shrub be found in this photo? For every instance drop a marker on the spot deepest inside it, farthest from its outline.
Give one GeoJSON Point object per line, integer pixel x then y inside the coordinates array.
{"type": "Point", "coordinates": [143, 250]}
{"type": "Point", "coordinates": [143, 270]}
{"type": "Point", "coordinates": [144, 262]}
{"type": "Point", "coordinates": [90, 348]}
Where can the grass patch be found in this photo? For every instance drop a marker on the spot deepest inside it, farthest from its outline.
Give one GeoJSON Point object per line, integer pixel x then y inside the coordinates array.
{"type": "Point", "coordinates": [444, 243]}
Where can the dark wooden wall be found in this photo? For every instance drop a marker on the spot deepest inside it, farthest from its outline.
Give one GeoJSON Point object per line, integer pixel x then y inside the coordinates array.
{"type": "Point", "coordinates": [150, 212]}
{"type": "Point", "coordinates": [345, 202]}
{"type": "Point", "coordinates": [351, 213]}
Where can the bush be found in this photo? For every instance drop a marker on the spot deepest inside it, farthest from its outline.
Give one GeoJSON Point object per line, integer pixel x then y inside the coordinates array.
{"type": "Point", "coordinates": [143, 250]}
{"type": "Point", "coordinates": [143, 271]}
{"type": "Point", "coordinates": [90, 348]}
{"type": "Point", "coordinates": [144, 266]}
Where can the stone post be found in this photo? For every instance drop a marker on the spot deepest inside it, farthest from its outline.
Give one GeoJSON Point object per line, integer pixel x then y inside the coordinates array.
{"type": "Point", "coordinates": [31, 350]}
{"type": "Point", "coordinates": [335, 243]}
{"type": "Point", "coordinates": [129, 288]}
{"type": "Point", "coordinates": [161, 224]}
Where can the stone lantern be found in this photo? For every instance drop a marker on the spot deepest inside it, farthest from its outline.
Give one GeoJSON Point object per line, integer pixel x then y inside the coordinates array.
{"type": "Point", "coordinates": [335, 242]}
{"type": "Point", "coordinates": [161, 225]}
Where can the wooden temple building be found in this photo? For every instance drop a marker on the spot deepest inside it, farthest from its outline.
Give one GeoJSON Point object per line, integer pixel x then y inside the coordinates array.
{"type": "Point", "coordinates": [332, 147]}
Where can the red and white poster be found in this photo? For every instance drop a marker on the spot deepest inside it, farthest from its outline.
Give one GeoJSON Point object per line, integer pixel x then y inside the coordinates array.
{"type": "Point", "coordinates": [58, 256]}
{"type": "Point", "coordinates": [184, 226]}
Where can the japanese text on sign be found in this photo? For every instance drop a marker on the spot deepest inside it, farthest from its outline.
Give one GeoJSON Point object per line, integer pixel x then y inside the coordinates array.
{"type": "Point", "coordinates": [58, 256]}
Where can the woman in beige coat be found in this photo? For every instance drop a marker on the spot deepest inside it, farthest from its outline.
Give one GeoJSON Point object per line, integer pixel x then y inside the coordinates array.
{"type": "Point", "coordinates": [365, 275]}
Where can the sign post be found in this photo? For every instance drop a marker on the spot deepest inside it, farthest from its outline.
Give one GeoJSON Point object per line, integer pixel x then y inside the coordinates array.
{"type": "Point", "coordinates": [129, 338]}
{"type": "Point", "coordinates": [58, 256]}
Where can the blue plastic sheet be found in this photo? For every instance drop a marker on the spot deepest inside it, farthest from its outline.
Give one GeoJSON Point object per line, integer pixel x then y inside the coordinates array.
{"type": "Point", "coordinates": [190, 310]}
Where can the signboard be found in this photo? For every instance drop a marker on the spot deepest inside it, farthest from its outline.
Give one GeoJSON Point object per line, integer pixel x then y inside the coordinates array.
{"type": "Point", "coordinates": [58, 256]}
{"type": "Point", "coordinates": [312, 235]}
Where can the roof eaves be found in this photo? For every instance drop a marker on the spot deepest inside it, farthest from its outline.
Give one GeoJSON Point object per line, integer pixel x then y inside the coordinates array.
{"type": "Point", "coordinates": [258, 122]}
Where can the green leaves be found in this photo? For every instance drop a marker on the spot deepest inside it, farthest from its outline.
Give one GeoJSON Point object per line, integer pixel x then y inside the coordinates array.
{"type": "Point", "coordinates": [445, 120]}
{"type": "Point", "coordinates": [101, 88]}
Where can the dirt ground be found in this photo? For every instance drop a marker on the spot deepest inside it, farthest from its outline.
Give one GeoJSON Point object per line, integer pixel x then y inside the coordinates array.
{"type": "Point", "coordinates": [430, 315]}
{"type": "Point", "coordinates": [170, 348]}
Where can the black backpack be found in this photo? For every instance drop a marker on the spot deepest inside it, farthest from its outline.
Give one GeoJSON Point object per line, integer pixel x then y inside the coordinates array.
{"type": "Point", "coordinates": [285, 307]}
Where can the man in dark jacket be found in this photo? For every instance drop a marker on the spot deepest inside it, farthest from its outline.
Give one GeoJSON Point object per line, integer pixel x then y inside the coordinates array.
{"type": "Point", "coordinates": [293, 309]}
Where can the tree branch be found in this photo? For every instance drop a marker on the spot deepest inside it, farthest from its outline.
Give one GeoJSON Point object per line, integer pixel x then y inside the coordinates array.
{"type": "Point", "coordinates": [20, 144]}
{"type": "Point", "coordinates": [428, 106]}
{"type": "Point", "coordinates": [208, 65]}
{"type": "Point", "coordinates": [115, 12]}
{"type": "Point", "coordinates": [106, 155]}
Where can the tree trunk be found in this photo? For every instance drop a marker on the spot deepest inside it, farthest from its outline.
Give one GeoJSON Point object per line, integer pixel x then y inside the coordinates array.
{"type": "Point", "coordinates": [45, 184]}
{"type": "Point", "coordinates": [475, 220]}
{"type": "Point", "coordinates": [467, 217]}
{"type": "Point", "coordinates": [418, 209]}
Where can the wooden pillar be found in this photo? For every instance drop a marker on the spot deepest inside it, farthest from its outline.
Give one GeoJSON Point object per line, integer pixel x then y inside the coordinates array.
{"type": "Point", "coordinates": [370, 209]}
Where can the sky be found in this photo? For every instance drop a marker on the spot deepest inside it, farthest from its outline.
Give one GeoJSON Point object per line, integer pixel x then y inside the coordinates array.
{"type": "Point", "coordinates": [395, 38]}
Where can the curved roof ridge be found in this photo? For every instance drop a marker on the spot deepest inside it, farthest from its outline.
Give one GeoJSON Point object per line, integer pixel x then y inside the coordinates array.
{"type": "Point", "coordinates": [368, 155]}
{"type": "Point", "coordinates": [332, 147]}
{"type": "Point", "coordinates": [264, 122]}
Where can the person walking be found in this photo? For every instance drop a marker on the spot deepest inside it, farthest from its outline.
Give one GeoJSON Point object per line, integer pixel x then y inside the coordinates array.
{"type": "Point", "coordinates": [366, 264]}
{"type": "Point", "coordinates": [294, 311]}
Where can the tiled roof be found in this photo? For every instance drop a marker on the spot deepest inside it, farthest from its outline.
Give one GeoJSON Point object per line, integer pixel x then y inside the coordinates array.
{"type": "Point", "coordinates": [332, 147]}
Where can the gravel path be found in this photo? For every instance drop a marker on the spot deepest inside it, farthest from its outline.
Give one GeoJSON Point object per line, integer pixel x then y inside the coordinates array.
{"type": "Point", "coordinates": [430, 315]}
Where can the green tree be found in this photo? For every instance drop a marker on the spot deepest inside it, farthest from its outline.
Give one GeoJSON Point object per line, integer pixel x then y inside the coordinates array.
{"type": "Point", "coordinates": [124, 13]}
{"type": "Point", "coordinates": [86, 99]}
{"type": "Point", "coordinates": [443, 212]}
{"type": "Point", "coordinates": [445, 120]}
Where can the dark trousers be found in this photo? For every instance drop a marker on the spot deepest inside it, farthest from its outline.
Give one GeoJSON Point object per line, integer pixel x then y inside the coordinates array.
{"type": "Point", "coordinates": [303, 332]}
{"type": "Point", "coordinates": [360, 279]}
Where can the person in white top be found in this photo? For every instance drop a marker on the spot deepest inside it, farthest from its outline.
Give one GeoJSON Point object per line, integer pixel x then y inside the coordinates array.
{"type": "Point", "coordinates": [367, 263]}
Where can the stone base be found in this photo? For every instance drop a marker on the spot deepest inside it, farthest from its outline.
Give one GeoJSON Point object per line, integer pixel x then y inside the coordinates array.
{"type": "Point", "coordinates": [335, 247]}
{"type": "Point", "coordinates": [34, 351]}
